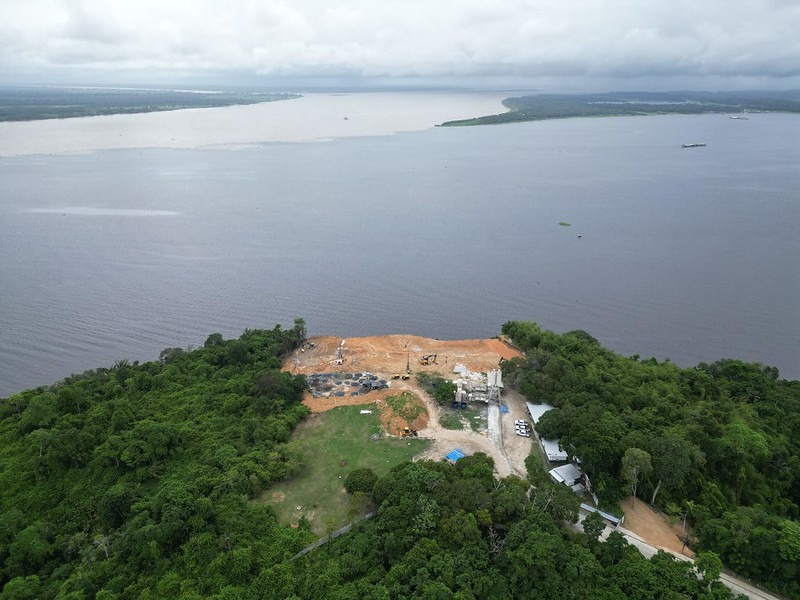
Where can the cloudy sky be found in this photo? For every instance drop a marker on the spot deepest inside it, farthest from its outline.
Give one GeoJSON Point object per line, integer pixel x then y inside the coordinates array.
{"type": "Point", "coordinates": [566, 44]}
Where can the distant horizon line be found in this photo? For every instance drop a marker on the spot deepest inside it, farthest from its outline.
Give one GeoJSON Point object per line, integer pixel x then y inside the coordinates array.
{"type": "Point", "coordinates": [374, 87]}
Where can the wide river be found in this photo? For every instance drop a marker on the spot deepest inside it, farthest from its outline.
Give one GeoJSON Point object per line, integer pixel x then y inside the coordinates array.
{"type": "Point", "coordinates": [121, 236]}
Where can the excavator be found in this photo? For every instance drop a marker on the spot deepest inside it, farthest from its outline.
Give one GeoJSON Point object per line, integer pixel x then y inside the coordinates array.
{"type": "Point", "coordinates": [408, 433]}
{"type": "Point", "coordinates": [428, 359]}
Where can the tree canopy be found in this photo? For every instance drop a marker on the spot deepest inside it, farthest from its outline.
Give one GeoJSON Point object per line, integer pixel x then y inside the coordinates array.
{"type": "Point", "coordinates": [144, 481]}
{"type": "Point", "coordinates": [456, 532]}
{"type": "Point", "coordinates": [719, 442]}
{"type": "Point", "coordinates": [138, 481]}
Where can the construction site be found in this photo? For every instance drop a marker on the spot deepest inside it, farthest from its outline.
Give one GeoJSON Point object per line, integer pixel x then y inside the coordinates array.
{"type": "Point", "coordinates": [373, 370]}
{"type": "Point", "coordinates": [380, 376]}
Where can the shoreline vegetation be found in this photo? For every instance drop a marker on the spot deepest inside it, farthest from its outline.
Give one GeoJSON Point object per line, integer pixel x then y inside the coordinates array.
{"type": "Point", "coordinates": [36, 103]}
{"type": "Point", "coordinates": [541, 107]}
{"type": "Point", "coordinates": [147, 481]}
{"type": "Point", "coordinates": [41, 103]}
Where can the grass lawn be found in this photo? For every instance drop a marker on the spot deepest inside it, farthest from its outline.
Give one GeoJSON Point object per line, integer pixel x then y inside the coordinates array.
{"type": "Point", "coordinates": [451, 420]}
{"type": "Point", "coordinates": [341, 434]}
{"type": "Point", "coordinates": [454, 418]}
{"type": "Point", "coordinates": [478, 417]}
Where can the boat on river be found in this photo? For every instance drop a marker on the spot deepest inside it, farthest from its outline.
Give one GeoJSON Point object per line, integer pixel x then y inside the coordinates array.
{"type": "Point", "coordinates": [694, 145]}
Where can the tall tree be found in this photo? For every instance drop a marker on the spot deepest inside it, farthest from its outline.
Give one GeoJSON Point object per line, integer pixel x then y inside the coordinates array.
{"type": "Point", "coordinates": [672, 459]}
{"type": "Point", "coordinates": [636, 464]}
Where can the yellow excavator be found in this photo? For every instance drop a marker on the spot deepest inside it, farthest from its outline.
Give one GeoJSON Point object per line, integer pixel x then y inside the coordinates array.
{"type": "Point", "coordinates": [408, 433]}
{"type": "Point", "coordinates": [428, 359]}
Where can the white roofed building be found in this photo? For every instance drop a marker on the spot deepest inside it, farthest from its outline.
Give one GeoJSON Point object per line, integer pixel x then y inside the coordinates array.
{"type": "Point", "coordinates": [571, 476]}
{"type": "Point", "coordinates": [551, 448]}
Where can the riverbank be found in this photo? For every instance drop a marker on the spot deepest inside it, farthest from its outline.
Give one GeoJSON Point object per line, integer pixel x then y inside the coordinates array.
{"type": "Point", "coordinates": [310, 118]}
{"type": "Point", "coordinates": [543, 107]}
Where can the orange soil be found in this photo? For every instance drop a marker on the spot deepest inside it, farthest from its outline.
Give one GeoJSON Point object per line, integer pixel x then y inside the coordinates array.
{"type": "Point", "coordinates": [389, 354]}
{"type": "Point", "coordinates": [394, 424]}
{"type": "Point", "coordinates": [653, 527]}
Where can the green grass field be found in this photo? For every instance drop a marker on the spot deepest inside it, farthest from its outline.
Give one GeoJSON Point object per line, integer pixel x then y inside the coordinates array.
{"type": "Point", "coordinates": [454, 418]}
{"type": "Point", "coordinates": [451, 420]}
{"type": "Point", "coordinates": [477, 417]}
{"type": "Point", "coordinates": [341, 434]}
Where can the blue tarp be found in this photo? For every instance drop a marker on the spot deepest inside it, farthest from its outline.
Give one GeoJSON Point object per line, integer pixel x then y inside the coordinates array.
{"type": "Point", "coordinates": [503, 408]}
{"type": "Point", "coordinates": [455, 455]}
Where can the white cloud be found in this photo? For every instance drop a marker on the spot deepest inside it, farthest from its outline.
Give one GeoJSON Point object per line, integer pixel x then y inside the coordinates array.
{"type": "Point", "coordinates": [754, 39]}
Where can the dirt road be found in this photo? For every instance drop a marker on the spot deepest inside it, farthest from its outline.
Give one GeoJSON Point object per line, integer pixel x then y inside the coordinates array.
{"type": "Point", "coordinates": [445, 440]}
{"type": "Point", "coordinates": [516, 448]}
{"type": "Point", "coordinates": [645, 522]}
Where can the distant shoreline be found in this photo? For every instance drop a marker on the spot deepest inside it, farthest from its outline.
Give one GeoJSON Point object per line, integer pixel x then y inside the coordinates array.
{"type": "Point", "coordinates": [25, 104]}
{"type": "Point", "coordinates": [542, 107]}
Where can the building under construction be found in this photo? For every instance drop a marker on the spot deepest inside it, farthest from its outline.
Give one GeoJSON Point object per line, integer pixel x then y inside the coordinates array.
{"type": "Point", "coordinates": [475, 387]}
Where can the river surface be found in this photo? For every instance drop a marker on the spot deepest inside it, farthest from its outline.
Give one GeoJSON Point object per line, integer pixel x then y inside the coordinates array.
{"type": "Point", "coordinates": [690, 254]}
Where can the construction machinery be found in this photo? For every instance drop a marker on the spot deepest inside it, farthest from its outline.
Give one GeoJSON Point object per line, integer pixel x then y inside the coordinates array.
{"type": "Point", "coordinates": [428, 359]}
{"type": "Point", "coordinates": [408, 433]}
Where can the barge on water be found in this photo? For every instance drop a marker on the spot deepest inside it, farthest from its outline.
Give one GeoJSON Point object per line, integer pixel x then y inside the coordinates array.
{"type": "Point", "coordinates": [697, 145]}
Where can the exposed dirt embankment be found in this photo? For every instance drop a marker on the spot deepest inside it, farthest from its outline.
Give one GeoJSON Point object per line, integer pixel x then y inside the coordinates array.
{"type": "Point", "coordinates": [653, 527]}
{"type": "Point", "coordinates": [391, 354]}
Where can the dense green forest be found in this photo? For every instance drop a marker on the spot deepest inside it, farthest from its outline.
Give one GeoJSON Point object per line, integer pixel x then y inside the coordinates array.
{"type": "Point", "coordinates": [35, 103]}
{"type": "Point", "coordinates": [560, 106]}
{"type": "Point", "coordinates": [456, 532]}
{"type": "Point", "coordinates": [719, 443]}
{"type": "Point", "coordinates": [136, 481]}
{"type": "Point", "coordinates": [141, 480]}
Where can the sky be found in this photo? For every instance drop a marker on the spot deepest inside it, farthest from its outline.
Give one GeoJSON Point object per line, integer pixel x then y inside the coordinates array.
{"type": "Point", "coordinates": [548, 44]}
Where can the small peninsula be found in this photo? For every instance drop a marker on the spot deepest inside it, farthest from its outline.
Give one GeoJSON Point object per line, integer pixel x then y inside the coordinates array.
{"type": "Point", "coordinates": [542, 107]}
{"type": "Point", "coordinates": [230, 466]}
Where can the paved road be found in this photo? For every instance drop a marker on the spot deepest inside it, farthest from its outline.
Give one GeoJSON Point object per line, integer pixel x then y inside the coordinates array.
{"type": "Point", "coordinates": [736, 585]}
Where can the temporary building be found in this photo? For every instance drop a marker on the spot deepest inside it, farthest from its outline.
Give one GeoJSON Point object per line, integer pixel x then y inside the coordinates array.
{"type": "Point", "coordinates": [454, 456]}
{"type": "Point", "coordinates": [551, 448]}
{"type": "Point", "coordinates": [567, 474]}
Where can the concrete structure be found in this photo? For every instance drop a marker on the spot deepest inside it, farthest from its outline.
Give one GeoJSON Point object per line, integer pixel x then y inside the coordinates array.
{"type": "Point", "coordinates": [474, 387]}
{"type": "Point", "coordinates": [495, 385]}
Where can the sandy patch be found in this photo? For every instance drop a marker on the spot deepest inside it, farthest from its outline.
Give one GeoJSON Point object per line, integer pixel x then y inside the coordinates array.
{"type": "Point", "coordinates": [653, 527]}
{"type": "Point", "coordinates": [390, 354]}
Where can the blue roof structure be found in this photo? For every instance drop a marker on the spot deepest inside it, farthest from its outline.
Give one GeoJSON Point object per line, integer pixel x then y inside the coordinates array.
{"type": "Point", "coordinates": [455, 455]}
